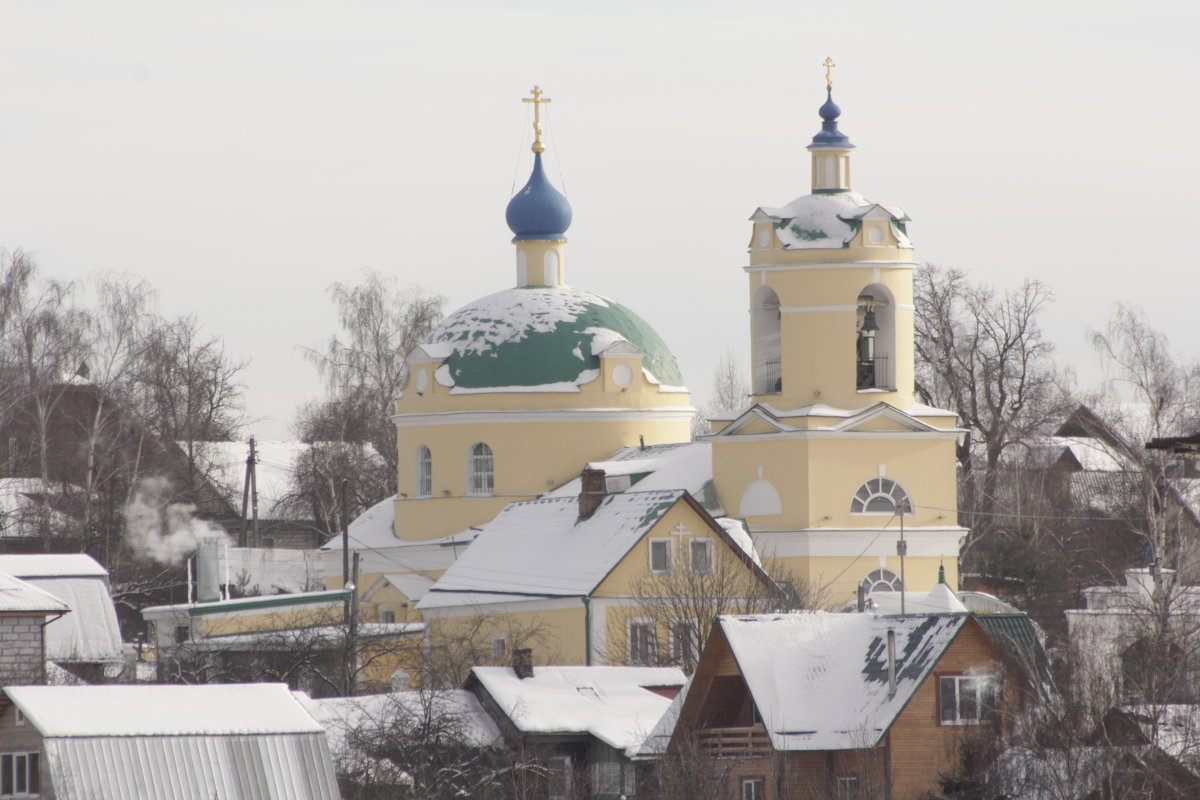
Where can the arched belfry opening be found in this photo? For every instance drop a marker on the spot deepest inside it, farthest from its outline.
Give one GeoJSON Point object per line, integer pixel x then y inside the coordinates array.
{"type": "Point", "coordinates": [765, 326]}
{"type": "Point", "coordinates": [875, 343]}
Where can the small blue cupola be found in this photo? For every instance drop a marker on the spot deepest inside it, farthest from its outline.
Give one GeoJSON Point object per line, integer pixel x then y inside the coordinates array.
{"type": "Point", "coordinates": [829, 135]}
{"type": "Point", "coordinates": [538, 211]}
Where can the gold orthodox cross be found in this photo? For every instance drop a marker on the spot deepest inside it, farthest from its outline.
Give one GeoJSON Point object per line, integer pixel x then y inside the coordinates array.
{"type": "Point", "coordinates": [537, 101]}
{"type": "Point", "coordinates": [828, 65]}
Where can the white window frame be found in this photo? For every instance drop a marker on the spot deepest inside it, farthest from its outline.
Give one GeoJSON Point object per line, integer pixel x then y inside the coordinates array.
{"type": "Point", "coordinates": [635, 651]}
{"type": "Point", "coordinates": [424, 487]}
{"type": "Point", "coordinates": [670, 547]}
{"type": "Point", "coordinates": [754, 788]}
{"type": "Point", "coordinates": [481, 470]}
{"type": "Point", "coordinates": [847, 787]}
{"type": "Point", "coordinates": [705, 544]}
{"type": "Point", "coordinates": [881, 486]}
{"type": "Point", "coordinates": [678, 642]}
{"type": "Point", "coordinates": [986, 695]}
{"type": "Point", "coordinates": [387, 615]}
{"type": "Point", "coordinates": [14, 783]}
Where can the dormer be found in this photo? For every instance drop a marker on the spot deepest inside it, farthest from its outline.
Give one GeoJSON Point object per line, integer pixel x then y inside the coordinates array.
{"type": "Point", "coordinates": [621, 366]}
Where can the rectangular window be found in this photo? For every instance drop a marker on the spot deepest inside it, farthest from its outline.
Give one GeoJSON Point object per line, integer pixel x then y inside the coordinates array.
{"type": "Point", "coordinates": [19, 774]}
{"type": "Point", "coordinates": [606, 777]}
{"type": "Point", "coordinates": [701, 553]}
{"type": "Point", "coordinates": [752, 789]}
{"type": "Point", "coordinates": [847, 787]}
{"type": "Point", "coordinates": [683, 645]}
{"type": "Point", "coordinates": [499, 649]}
{"type": "Point", "coordinates": [387, 615]}
{"type": "Point", "coordinates": [643, 642]}
{"type": "Point", "coordinates": [558, 777]}
{"type": "Point", "coordinates": [660, 556]}
{"type": "Point", "coordinates": [182, 634]}
{"type": "Point", "coordinates": [966, 700]}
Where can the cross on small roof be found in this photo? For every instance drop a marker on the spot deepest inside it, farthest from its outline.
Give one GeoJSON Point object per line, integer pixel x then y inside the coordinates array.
{"type": "Point", "coordinates": [681, 530]}
{"type": "Point", "coordinates": [828, 65]}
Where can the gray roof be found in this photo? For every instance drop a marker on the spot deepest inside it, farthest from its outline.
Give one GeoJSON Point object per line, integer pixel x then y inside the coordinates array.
{"type": "Point", "coordinates": [17, 595]}
{"type": "Point", "coordinates": [178, 742]}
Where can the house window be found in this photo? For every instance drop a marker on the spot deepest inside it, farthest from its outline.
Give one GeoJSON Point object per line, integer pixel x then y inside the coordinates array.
{"type": "Point", "coordinates": [558, 777]}
{"type": "Point", "coordinates": [847, 787]}
{"type": "Point", "coordinates": [966, 700]}
{"type": "Point", "coordinates": [19, 774]}
{"type": "Point", "coordinates": [480, 471]}
{"type": "Point", "coordinates": [424, 472]}
{"type": "Point", "coordinates": [660, 556]}
{"type": "Point", "coordinates": [881, 496]}
{"type": "Point", "coordinates": [606, 778]}
{"type": "Point", "coordinates": [387, 615]}
{"type": "Point", "coordinates": [643, 642]}
{"type": "Point", "coordinates": [182, 634]}
{"type": "Point", "coordinates": [499, 649]}
{"type": "Point", "coordinates": [683, 645]}
{"type": "Point", "coordinates": [701, 553]}
{"type": "Point", "coordinates": [752, 789]}
{"type": "Point", "coordinates": [765, 327]}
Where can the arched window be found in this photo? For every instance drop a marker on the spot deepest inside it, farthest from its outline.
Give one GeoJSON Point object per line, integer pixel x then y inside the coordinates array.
{"type": "Point", "coordinates": [875, 345]}
{"type": "Point", "coordinates": [480, 470]}
{"type": "Point", "coordinates": [424, 472]}
{"type": "Point", "coordinates": [765, 326]}
{"type": "Point", "coordinates": [880, 496]}
{"type": "Point", "coordinates": [882, 580]}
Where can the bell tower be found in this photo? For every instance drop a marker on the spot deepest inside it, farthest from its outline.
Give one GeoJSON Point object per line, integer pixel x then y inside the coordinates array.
{"type": "Point", "coordinates": [834, 452]}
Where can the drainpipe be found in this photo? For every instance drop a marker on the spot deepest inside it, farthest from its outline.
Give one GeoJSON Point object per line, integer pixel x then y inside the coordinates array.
{"type": "Point", "coordinates": [587, 631]}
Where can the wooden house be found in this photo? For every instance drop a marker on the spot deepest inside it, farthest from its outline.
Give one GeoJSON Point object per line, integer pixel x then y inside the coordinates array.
{"type": "Point", "coordinates": [848, 706]}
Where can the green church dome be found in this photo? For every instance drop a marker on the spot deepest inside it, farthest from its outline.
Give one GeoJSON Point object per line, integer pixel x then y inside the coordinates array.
{"type": "Point", "coordinates": [546, 338]}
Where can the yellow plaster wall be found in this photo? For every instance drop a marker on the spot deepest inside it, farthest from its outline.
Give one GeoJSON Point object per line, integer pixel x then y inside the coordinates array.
{"type": "Point", "coordinates": [816, 478]}
{"type": "Point", "coordinates": [556, 636]}
{"type": "Point", "coordinates": [818, 355]}
{"type": "Point", "coordinates": [842, 576]}
{"type": "Point", "coordinates": [529, 458]}
{"type": "Point", "coordinates": [270, 620]}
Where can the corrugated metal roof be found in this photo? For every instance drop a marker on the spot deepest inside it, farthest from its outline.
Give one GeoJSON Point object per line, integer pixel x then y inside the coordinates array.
{"type": "Point", "coordinates": [294, 766]}
{"type": "Point", "coordinates": [90, 633]}
{"type": "Point", "coordinates": [1017, 638]}
{"type": "Point", "coordinates": [19, 595]}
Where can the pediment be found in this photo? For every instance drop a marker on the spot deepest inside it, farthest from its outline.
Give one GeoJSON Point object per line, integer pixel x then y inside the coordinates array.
{"type": "Point", "coordinates": [622, 349]}
{"type": "Point", "coordinates": [883, 417]}
{"type": "Point", "coordinates": [754, 420]}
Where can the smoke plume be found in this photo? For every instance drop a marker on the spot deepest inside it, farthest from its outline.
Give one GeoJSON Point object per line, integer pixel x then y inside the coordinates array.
{"type": "Point", "coordinates": [164, 531]}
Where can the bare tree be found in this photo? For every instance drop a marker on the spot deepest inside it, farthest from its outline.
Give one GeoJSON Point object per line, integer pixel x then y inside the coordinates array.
{"type": "Point", "coordinates": [364, 366]}
{"type": "Point", "coordinates": [982, 355]}
{"type": "Point", "coordinates": [679, 606]}
{"type": "Point", "coordinates": [729, 392]}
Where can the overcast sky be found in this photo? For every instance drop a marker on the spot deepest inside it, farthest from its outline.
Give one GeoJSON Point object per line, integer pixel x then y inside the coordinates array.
{"type": "Point", "coordinates": [242, 157]}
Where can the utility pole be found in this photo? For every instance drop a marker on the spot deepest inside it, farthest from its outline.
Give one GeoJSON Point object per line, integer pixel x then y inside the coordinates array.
{"type": "Point", "coordinates": [246, 495]}
{"type": "Point", "coordinates": [253, 464]}
{"type": "Point", "coordinates": [352, 633]}
{"type": "Point", "coordinates": [345, 552]}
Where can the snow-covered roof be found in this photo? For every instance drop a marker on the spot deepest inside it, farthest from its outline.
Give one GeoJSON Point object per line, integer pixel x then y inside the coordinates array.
{"type": "Point", "coordinates": [65, 565]}
{"type": "Point", "coordinates": [610, 703]}
{"type": "Point", "coordinates": [665, 466]}
{"type": "Point", "coordinates": [178, 742]}
{"type": "Point", "coordinates": [938, 600]}
{"type": "Point", "coordinates": [21, 508]}
{"type": "Point", "coordinates": [327, 597]}
{"type": "Point", "coordinates": [542, 338]}
{"type": "Point", "coordinates": [458, 708]}
{"type": "Point", "coordinates": [316, 635]}
{"type": "Point", "coordinates": [90, 633]}
{"type": "Point", "coordinates": [541, 548]}
{"type": "Point", "coordinates": [374, 528]}
{"type": "Point", "coordinates": [225, 464]}
{"type": "Point", "coordinates": [412, 586]}
{"type": "Point", "coordinates": [828, 221]}
{"type": "Point", "coordinates": [160, 710]}
{"type": "Point", "coordinates": [17, 595]}
{"type": "Point", "coordinates": [798, 668]}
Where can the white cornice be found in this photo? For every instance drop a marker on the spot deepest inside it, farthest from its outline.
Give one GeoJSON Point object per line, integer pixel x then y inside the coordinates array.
{"type": "Point", "coordinates": [721, 438]}
{"type": "Point", "coordinates": [514, 604]}
{"type": "Point", "coordinates": [802, 309]}
{"type": "Point", "coordinates": [493, 417]}
{"type": "Point", "coordinates": [939, 542]}
{"type": "Point", "coordinates": [834, 265]}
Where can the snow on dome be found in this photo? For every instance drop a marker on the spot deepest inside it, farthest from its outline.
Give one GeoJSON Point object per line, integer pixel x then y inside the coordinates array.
{"type": "Point", "coordinates": [828, 221]}
{"type": "Point", "coordinates": [540, 336]}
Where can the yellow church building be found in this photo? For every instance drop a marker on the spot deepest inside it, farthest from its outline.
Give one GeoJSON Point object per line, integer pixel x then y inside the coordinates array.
{"type": "Point", "coordinates": [832, 470]}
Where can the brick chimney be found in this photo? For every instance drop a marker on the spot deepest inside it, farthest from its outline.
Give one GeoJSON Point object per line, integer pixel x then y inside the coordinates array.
{"type": "Point", "coordinates": [591, 494]}
{"type": "Point", "coordinates": [522, 662]}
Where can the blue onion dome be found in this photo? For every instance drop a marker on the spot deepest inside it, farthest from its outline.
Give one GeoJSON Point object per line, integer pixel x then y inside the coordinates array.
{"type": "Point", "coordinates": [829, 135]}
{"type": "Point", "coordinates": [538, 211]}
